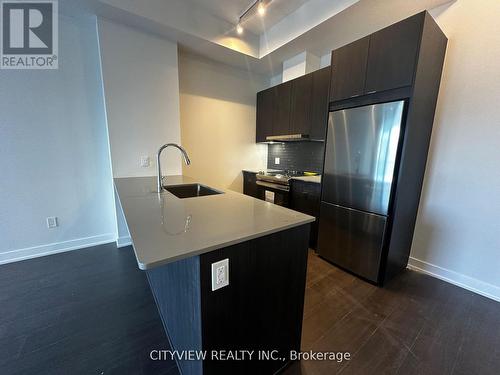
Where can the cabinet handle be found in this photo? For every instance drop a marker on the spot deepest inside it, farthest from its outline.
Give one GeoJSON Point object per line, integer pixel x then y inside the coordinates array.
{"type": "Point", "coordinates": [371, 92]}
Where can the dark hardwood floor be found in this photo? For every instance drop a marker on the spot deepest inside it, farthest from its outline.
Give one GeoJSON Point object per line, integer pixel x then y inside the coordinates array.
{"type": "Point", "coordinates": [91, 312]}
{"type": "Point", "coordinates": [88, 311]}
{"type": "Point", "coordinates": [416, 324]}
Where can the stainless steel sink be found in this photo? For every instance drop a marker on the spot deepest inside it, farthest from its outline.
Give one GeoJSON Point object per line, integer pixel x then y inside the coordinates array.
{"type": "Point", "coordinates": [191, 190]}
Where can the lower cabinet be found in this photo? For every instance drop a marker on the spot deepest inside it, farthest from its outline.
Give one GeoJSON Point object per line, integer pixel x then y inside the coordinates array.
{"type": "Point", "coordinates": [249, 184]}
{"type": "Point", "coordinates": [305, 198]}
{"type": "Point", "coordinates": [252, 313]}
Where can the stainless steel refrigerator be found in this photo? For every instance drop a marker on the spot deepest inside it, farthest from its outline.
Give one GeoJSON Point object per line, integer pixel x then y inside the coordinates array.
{"type": "Point", "coordinates": [361, 157]}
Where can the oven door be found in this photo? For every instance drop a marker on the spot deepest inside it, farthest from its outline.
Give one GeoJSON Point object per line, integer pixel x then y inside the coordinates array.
{"type": "Point", "coordinates": [274, 193]}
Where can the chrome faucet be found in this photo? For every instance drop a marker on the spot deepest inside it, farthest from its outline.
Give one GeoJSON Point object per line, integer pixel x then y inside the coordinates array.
{"type": "Point", "coordinates": [184, 155]}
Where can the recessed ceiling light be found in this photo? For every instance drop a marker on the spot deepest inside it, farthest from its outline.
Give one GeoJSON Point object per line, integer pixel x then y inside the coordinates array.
{"type": "Point", "coordinates": [261, 9]}
{"type": "Point", "coordinates": [239, 29]}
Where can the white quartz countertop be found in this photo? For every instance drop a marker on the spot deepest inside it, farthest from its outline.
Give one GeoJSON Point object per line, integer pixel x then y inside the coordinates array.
{"type": "Point", "coordinates": [165, 228]}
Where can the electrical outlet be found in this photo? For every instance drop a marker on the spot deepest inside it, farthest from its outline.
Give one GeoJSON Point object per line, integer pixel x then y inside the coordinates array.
{"type": "Point", "coordinates": [220, 274]}
{"type": "Point", "coordinates": [276, 160]}
{"type": "Point", "coordinates": [145, 161]}
{"type": "Point", "coordinates": [52, 222]}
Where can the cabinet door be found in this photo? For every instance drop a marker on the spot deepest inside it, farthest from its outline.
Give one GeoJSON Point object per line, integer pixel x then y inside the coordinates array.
{"type": "Point", "coordinates": [348, 70]}
{"type": "Point", "coordinates": [281, 108]}
{"type": "Point", "coordinates": [264, 125]}
{"type": "Point", "coordinates": [305, 198]}
{"type": "Point", "coordinates": [393, 54]}
{"type": "Point", "coordinates": [319, 105]}
{"type": "Point", "coordinates": [301, 101]}
{"type": "Point", "coordinates": [250, 184]}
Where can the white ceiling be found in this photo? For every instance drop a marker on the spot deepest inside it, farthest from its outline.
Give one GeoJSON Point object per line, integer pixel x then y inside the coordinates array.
{"type": "Point", "coordinates": [357, 21]}
{"type": "Point", "coordinates": [230, 10]}
{"type": "Point", "coordinates": [214, 21]}
{"type": "Point", "coordinates": [316, 26]}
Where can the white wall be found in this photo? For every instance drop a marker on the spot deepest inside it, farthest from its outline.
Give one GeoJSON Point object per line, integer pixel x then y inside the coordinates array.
{"type": "Point", "coordinates": [276, 79]}
{"type": "Point", "coordinates": [185, 20]}
{"type": "Point", "coordinates": [141, 89]}
{"type": "Point", "coordinates": [218, 121]}
{"type": "Point", "coordinates": [299, 65]}
{"type": "Point", "coordinates": [458, 225]}
{"type": "Point", "coordinates": [309, 15]}
{"type": "Point", "coordinates": [54, 152]}
{"type": "Point", "coordinates": [325, 60]}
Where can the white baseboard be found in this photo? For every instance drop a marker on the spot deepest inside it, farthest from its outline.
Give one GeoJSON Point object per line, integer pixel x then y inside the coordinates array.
{"type": "Point", "coordinates": [463, 281]}
{"type": "Point", "coordinates": [53, 248]}
{"type": "Point", "coordinates": [123, 241]}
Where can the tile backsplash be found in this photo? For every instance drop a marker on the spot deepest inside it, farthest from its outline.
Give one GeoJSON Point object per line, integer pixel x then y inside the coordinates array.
{"type": "Point", "coordinates": [296, 156]}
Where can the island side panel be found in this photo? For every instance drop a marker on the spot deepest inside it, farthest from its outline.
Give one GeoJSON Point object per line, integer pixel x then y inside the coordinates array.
{"type": "Point", "coordinates": [176, 289]}
{"type": "Point", "coordinates": [262, 307]}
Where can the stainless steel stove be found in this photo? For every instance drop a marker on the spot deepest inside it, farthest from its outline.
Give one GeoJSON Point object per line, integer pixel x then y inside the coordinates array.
{"type": "Point", "coordinates": [278, 180]}
{"type": "Point", "coordinates": [274, 185]}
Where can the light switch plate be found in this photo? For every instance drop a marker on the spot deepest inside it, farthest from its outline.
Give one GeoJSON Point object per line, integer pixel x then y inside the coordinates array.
{"type": "Point", "coordinates": [220, 274]}
{"type": "Point", "coordinates": [276, 160]}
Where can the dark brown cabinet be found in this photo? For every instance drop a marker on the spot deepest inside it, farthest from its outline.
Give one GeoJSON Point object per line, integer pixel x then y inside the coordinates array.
{"type": "Point", "coordinates": [319, 104]}
{"type": "Point", "coordinates": [250, 185]}
{"type": "Point", "coordinates": [264, 114]}
{"type": "Point", "coordinates": [299, 106]}
{"type": "Point", "coordinates": [382, 61]}
{"type": "Point", "coordinates": [281, 108]}
{"type": "Point", "coordinates": [273, 111]}
{"type": "Point", "coordinates": [305, 198]}
{"type": "Point", "coordinates": [349, 70]}
{"type": "Point", "coordinates": [393, 55]}
{"type": "Point", "coordinates": [261, 309]}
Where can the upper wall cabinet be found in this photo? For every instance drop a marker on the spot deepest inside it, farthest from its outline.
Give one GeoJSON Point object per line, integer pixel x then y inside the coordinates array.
{"type": "Point", "coordinates": [273, 111]}
{"type": "Point", "coordinates": [281, 108]}
{"type": "Point", "coordinates": [319, 104]}
{"type": "Point", "coordinates": [393, 55]}
{"type": "Point", "coordinates": [301, 100]}
{"type": "Point", "coordinates": [264, 114]}
{"type": "Point", "coordinates": [299, 106]}
{"type": "Point", "coordinates": [349, 70]}
{"type": "Point", "coordinates": [382, 61]}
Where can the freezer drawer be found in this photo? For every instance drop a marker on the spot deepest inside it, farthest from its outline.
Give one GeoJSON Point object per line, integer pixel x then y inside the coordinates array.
{"type": "Point", "coordinates": [351, 239]}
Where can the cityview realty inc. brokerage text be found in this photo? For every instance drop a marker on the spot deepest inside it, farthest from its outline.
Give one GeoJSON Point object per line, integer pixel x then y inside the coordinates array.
{"type": "Point", "coordinates": [246, 355]}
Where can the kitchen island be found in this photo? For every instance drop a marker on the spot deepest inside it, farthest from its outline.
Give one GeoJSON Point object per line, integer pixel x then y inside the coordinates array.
{"type": "Point", "coordinates": [177, 238]}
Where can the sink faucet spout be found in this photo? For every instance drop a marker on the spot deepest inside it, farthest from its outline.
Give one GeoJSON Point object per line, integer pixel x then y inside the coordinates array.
{"type": "Point", "coordinates": [158, 155]}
